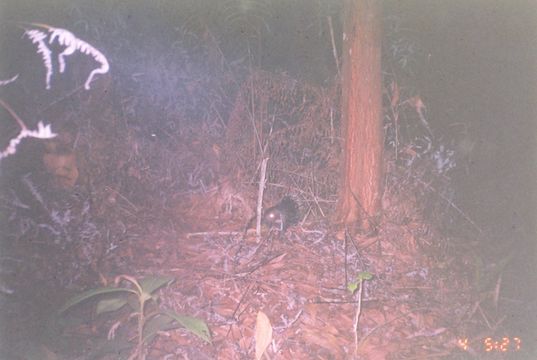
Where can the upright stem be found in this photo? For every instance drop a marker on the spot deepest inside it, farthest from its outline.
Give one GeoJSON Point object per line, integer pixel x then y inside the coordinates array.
{"type": "Point", "coordinates": [262, 182]}
{"type": "Point", "coordinates": [141, 320]}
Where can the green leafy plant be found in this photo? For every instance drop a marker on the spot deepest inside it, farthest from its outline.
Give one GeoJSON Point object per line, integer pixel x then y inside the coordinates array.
{"type": "Point", "coordinates": [150, 319]}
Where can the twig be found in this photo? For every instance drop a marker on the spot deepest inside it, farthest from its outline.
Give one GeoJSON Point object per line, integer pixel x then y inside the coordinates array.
{"type": "Point", "coordinates": [347, 235]}
{"type": "Point", "coordinates": [233, 316]}
{"type": "Point", "coordinates": [13, 114]}
{"type": "Point", "coordinates": [497, 291]}
{"type": "Point", "coordinates": [334, 50]}
{"type": "Point", "coordinates": [450, 203]}
{"type": "Point", "coordinates": [357, 316]}
{"type": "Point", "coordinates": [379, 326]}
{"type": "Point", "coordinates": [262, 182]}
{"type": "Point", "coordinates": [123, 197]}
{"type": "Point", "coordinates": [212, 233]}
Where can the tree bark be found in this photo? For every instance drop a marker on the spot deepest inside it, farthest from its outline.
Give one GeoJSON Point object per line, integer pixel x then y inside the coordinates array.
{"type": "Point", "coordinates": [360, 191]}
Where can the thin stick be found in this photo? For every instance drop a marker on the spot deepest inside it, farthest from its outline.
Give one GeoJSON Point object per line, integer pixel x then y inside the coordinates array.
{"type": "Point", "coordinates": [334, 50]}
{"type": "Point", "coordinates": [346, 246]}
{"type": "Point", "coordinates": [213, 233]}
{"type": "Point", "coordinates": [452, 204]}
{"type": "Point", "coordinates": [13, 114]}
{"type": "Point", "coordinates": [262, 182]}
{"type": "Point", "coordinates": [357, 316]}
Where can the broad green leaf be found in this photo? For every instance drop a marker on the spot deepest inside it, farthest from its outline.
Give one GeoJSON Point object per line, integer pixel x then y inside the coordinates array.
{"type": "Point", "coordinates": [196, 326]}
{"type": "Point", "coordinates": [108, 305]}
{"type": "Point", "coordinates": [153, 283]}
{"type": "Point", "coordinates": [89, 294]}
{"type": "Point", "coordinates": [157, 323]}
{"type": "Point", "coordinates": [134, 301]}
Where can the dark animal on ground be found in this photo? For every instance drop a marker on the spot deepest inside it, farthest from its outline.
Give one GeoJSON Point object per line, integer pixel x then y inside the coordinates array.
{"type": "Point", "coordinates": [280, 216]}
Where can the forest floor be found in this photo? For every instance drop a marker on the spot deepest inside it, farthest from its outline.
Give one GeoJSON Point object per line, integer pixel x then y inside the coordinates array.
{"type": "Point", "coordinates": [420, 301]}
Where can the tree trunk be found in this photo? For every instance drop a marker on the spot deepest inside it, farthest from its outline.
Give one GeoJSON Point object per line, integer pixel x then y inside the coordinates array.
{"type": "Point", "coordinates": [360, 192]}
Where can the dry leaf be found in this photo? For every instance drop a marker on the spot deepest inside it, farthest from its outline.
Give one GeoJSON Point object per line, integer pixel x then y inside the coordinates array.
{"type": "Point", "coordinates": [263, 334]}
